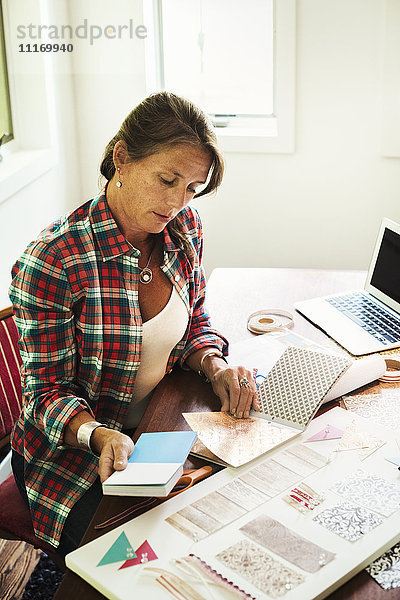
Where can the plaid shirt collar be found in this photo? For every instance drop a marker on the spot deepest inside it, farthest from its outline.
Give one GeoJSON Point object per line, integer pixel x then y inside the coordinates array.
{"type": "Point", "coordinates": [111, 241]}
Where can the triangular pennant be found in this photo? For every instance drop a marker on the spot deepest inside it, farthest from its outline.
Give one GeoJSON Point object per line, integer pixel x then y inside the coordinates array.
{"type": "Point", "coordinates": [329, 433]}
{"type": "Point", "coordinates": [120, 550]}
{"type": "Point", "coordinates": [144, 554]}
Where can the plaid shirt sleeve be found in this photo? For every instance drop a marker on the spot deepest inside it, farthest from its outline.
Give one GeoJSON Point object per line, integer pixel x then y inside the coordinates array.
{"type": "Point", "coordinates": [42, 303]}
{"type": "Point", "coordinates": [201, 334]}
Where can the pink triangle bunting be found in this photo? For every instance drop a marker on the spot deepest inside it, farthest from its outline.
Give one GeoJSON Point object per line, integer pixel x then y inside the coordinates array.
{"type": "Point", "coordinates": [329, 433]}
{"type": "Point", "coordinates": [144, 554]}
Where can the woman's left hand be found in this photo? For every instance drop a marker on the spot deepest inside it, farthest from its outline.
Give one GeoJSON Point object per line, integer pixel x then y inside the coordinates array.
{"type": "Point", "coordinates": [236, 389]}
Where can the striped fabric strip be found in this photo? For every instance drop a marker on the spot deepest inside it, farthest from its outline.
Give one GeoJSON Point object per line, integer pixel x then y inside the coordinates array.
{"type": "Point", "coordinates": [10, 378]}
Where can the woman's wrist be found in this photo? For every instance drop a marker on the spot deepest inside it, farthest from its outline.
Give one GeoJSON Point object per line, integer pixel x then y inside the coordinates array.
{"type": "Point", "coordinates": [212, 365]}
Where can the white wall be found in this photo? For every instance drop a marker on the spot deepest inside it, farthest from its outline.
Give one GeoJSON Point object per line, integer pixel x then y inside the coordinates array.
{"type": "Point", "coordinates": [318, 207]}
{"type": "Point", "coordinates": [321, 206]}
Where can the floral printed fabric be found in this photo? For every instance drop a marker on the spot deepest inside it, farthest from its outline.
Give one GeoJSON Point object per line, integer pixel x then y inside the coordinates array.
{"type": "Point", "coordinates": [259, 568]}
{"type": "Point", "coordinates": [370, 490]}
{"type": "Point", "coordinates": [348, 521]}
{"type": "Point", "coordinates": [386, 569]}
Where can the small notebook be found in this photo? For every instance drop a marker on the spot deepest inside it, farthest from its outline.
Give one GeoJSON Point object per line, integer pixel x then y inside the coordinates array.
{"type": "Point", "coordinates": [154, 467]}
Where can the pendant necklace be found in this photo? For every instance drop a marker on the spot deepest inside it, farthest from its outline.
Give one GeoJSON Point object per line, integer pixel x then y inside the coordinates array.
{"type": "Point", "coordinates": [146, 274]}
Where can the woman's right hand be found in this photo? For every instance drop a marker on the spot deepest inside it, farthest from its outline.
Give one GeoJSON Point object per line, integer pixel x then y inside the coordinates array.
{"type": "Point", "coordinates": [114, 449]}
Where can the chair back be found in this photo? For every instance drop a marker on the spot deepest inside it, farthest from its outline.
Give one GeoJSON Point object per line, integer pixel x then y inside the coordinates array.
{"type": "Point", "coordinates": [10, 376]}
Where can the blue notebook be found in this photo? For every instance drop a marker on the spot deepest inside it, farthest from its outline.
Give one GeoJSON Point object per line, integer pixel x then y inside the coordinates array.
{"type": "Point", "coordinates": [155, 465]}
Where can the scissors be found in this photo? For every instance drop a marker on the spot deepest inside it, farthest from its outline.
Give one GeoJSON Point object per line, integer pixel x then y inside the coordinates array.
{"type": "Point", "coordinates": [189, 478]}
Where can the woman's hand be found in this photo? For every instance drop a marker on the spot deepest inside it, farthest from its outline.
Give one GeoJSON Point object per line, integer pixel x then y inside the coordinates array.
{"type": "Point", "coordinates": [114, 449]}
{"type": "Point", "coordinates": [236, 389]}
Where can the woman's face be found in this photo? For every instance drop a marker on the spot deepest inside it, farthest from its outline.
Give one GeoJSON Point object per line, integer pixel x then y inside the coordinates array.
{"type": "Point", "coordinates": [156, 188]}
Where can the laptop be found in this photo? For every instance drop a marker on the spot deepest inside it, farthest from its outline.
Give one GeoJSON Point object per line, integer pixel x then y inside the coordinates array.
{"type": "Point", "coordinates": [368, 320]}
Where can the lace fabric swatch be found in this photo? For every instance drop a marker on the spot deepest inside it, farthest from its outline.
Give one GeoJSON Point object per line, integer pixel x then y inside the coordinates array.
{"type": "Point", "coordinates": [260, 569]}
{"type": "Point", "coordinates": [371, 491]}
{"type": "Point", "coordinates": [348, 520]}
{"type": "Point", "coordinates": [382, 408]}
{"type": "Point", "coordinates": [386, 569]}
{"type": "Point", "coordinates": [297, 383]}
{"type": "Point", "coordinates": [355, 438]}
{"type": "Point", "coordinates": [274, 536]}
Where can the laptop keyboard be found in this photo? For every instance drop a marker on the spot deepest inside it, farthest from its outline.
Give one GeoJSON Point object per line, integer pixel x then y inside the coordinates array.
{"type": "Point", "coordinates": [368, 315]}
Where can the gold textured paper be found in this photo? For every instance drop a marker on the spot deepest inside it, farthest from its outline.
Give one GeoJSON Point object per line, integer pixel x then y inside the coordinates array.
{"type": "Point", "coordinates": [237, 441]}
{"type": "Point", "coordinates": [356, 439]}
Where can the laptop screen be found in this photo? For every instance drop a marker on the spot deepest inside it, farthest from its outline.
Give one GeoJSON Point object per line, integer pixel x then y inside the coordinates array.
{"type": "Point", "coordinates": [386, 273]}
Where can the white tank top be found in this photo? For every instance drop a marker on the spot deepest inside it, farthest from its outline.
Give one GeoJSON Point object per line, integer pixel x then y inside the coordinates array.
{"type": "Point", "coordinates": [160, 336]}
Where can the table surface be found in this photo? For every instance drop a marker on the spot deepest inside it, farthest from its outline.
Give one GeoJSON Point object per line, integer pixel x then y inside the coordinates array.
{"type": "Point", "coordinates": [232, 294]}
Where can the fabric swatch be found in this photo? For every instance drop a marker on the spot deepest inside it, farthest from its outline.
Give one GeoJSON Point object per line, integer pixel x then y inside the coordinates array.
{"type": "Point", "coordinates": [297, 384]}
{"type": "Point", "coordinates": [274, 536]}
{"type": "Point", "coordinates": [348, 521]}
{"type": "Point", "coordinates": [382, 408]}
{"type": "Point", "coordinates": [386, 569]}
{"type": "Point", "coordinates": [355, 438]}
{"type": "Point", "coordinates": [303, 498]}
{"type": "Point", "coordinates": [371, 491]}
{"type": "Point", "coordinates": [259, 568]}
{"type": "Point", "coordinates": [243, 495]}
{"type": "Point", "coordinates": [271, 477]}
{"type": "Point", "coordinates": [329, 433]}
{"type": "Point", "coordinates": [120, 550]}
{"type": "Point", "coordinates": [144, 554]}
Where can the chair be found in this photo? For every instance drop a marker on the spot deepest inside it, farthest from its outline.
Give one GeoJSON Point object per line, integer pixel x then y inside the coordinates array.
{"type": "Point", "coordinates": [15, 519]}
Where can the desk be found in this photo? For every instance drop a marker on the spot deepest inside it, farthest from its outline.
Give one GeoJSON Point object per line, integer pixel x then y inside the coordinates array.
{"type": "Point", "coordinates": [232, 295]}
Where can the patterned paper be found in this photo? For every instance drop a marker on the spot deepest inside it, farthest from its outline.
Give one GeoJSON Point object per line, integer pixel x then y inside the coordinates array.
{"type": "Point", "coordinates": [243, 495]}
{"type": "Point", "coordinates": [355, 438]}
{"type": "Point", "coordinates": [237, 441]}
{"type": "Point", "coordinates": [370, 490]}
{"type": "Point", "coordinates": [386, 569]}
{"type": "Point", "coordinates": [348, 521]}
{"type": "Point", "coordinates": [382, 408]}
{"type": "Point", "coordinates": [274, 536]}
{"type": "Point", "coordinates": [120, 550]}
{"type": "Point", "coordinates": [259, 568]}
{"type": "Point", "coordinates": [297, 384]}
{"type": "Point", "coordinates": [269, 478]}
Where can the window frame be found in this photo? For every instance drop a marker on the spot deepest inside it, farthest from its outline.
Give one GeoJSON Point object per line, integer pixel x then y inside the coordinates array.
{"type": "Point", "coordinates": [270, 134]}
{"type": "Point", "coordinates": [4, 73]}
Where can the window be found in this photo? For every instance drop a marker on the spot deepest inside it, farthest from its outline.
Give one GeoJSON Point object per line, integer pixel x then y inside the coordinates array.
{"type": "Point", "coordinates": [235, 60]}
{"type": "Point", "coordinates": [5, 106]}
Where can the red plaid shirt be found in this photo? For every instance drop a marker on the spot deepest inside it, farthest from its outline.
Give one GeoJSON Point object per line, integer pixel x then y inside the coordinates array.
{"type": "Point", "coordinates": [75, 297]}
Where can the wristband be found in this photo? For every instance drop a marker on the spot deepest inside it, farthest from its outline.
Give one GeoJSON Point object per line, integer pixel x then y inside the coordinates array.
{"type": "Point", "coordinates": [84, 433]}
{"type": "Point", "coordinates": [214, 352]}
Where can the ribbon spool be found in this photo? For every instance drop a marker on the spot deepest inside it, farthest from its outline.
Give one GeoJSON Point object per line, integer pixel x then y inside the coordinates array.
{"type": "Point", "coordinates": [391, 376]}
{"type": "Point", "coordinates": [263, 321]}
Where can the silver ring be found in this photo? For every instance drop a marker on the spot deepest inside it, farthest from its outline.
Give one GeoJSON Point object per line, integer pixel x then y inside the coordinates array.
{"type": "Point", "coordinates": [244, 382]}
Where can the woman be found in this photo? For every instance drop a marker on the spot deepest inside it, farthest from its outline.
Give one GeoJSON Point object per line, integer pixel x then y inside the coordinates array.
{"type": "Point", "coordinates": [107, 300]}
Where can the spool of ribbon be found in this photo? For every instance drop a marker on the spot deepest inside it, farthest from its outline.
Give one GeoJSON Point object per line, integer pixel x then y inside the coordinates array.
{"type": "Point", "coordinates": [264, 321]}
{"type": "Point", "coordinates": [391, 376]}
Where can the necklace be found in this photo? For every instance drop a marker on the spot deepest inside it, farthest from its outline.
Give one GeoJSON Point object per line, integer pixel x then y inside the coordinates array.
{"type": "Point", "coordinates": [146, 274]}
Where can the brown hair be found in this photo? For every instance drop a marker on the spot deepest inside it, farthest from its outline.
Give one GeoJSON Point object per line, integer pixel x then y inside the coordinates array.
{"type": "Point", "coordinates": [159, 122]}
